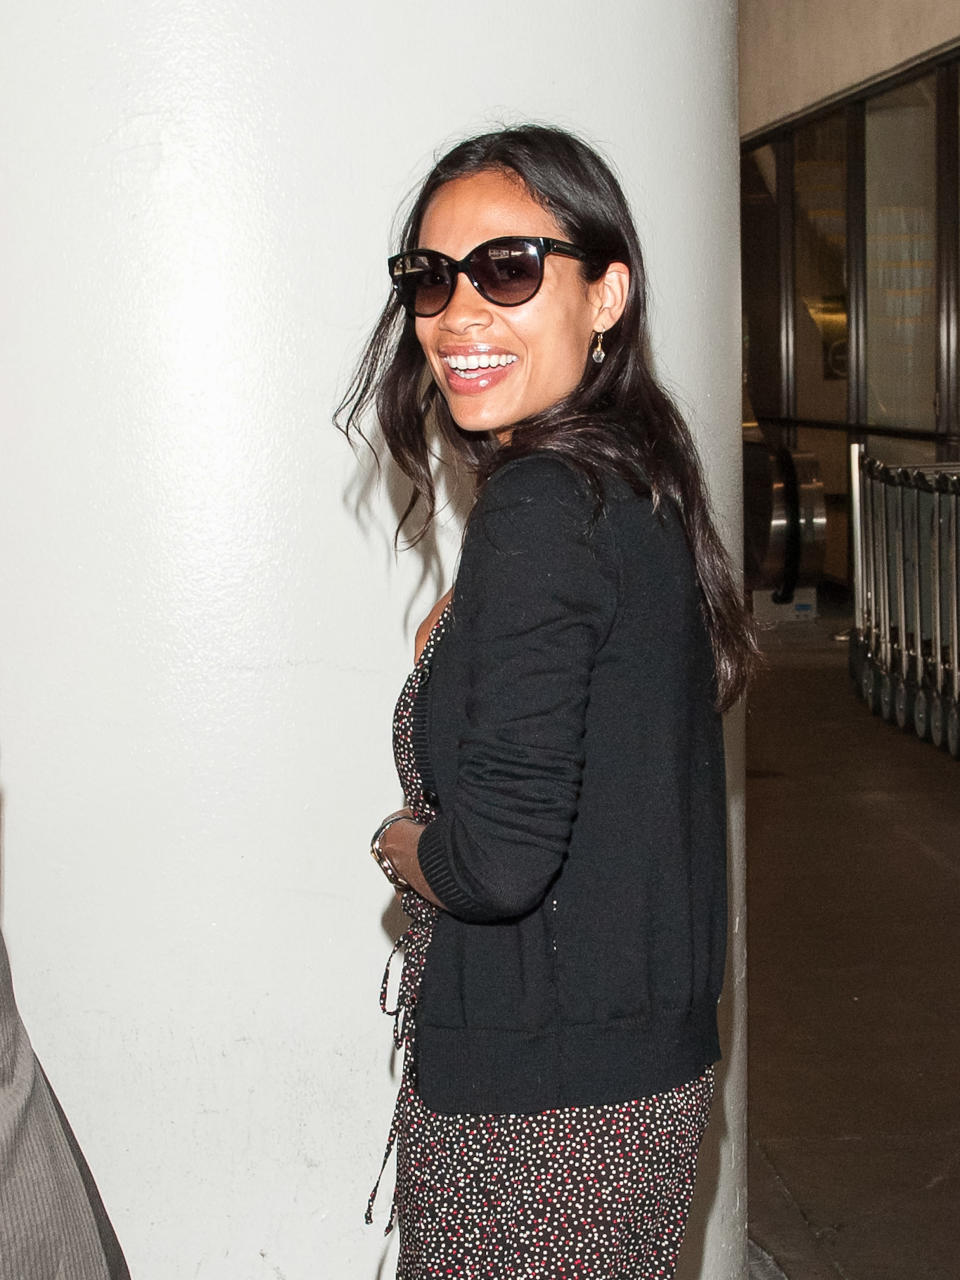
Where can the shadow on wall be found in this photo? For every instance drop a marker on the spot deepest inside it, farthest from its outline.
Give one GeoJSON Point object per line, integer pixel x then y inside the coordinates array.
{"type": "Point", "coordinates": [455, 492]}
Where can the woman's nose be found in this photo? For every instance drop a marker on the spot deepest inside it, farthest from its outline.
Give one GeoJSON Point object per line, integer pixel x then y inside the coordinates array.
{"type": "Point", "coordinates": [466, 309]}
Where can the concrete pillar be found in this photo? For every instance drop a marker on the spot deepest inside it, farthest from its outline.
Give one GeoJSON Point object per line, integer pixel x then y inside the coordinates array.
{"type": "Point", "coordinates": [201, 642]}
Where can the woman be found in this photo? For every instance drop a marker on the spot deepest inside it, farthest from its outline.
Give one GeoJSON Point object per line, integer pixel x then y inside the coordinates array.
{"type": "Point", "coordinates": [559, 740]}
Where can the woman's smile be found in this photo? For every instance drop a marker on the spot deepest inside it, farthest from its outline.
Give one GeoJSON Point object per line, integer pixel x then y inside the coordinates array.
{"type": "Point", "coordinates": [471, 370]}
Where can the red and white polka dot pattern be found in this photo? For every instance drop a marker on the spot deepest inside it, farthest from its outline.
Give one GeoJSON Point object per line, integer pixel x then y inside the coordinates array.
{"type": "Point", "coordinates": [595, 1193]}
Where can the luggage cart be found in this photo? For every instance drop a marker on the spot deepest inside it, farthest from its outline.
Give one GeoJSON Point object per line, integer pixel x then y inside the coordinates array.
{"type": "Point", "coordinates": [905, 646]}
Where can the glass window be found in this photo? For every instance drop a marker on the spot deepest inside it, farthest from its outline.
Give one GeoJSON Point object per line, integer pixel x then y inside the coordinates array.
{"type": "Point", "coordinates": [820, 267]}
{"type": "Point", "coordinates": [760, 257]}
{"type": "Point", "coordinates": [901, 256]}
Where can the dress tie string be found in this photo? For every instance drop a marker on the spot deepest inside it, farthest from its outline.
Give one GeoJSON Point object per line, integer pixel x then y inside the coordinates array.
{"type": "Point", "coordinates": [413, 942]}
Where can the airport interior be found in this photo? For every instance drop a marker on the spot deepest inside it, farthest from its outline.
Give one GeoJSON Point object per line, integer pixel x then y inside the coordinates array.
{"type": "Point", "coordinates": [851, 412]}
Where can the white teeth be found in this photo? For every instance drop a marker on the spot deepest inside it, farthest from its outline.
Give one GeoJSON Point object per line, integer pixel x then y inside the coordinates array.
{"type": "Point", "coordinates": [485, 361]}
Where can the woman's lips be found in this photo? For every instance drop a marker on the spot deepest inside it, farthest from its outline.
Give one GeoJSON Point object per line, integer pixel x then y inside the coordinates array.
{"type": "Point", "coordinates": [472, 382]}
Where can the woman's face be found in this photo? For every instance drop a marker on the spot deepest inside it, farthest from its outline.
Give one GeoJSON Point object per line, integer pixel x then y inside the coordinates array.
{"type": "Point", "coordinates": [548, 337]}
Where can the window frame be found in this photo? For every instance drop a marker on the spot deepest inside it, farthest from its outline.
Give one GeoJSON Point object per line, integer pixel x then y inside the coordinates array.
{"type": "Point", "coordinates": [781, 137]}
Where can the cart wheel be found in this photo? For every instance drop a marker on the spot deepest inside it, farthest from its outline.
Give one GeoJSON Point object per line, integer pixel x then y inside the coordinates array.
{"type": "Point", "coordinates": [902, 703]}
{"type": "Point", "coordinates": [953, 731]}
{"type": "Point", "coordinates": [886, 696]}
{"type": "Point", "coordinates": [938, 721]}
{"type": "Point", "coordinates": [870, 686]}
{"type": "Point", "coordinates": [921, 714]}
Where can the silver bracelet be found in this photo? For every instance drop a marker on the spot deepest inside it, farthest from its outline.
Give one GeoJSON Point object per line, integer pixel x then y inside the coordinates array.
{"type": "Point", "coordinates": [378, 855]}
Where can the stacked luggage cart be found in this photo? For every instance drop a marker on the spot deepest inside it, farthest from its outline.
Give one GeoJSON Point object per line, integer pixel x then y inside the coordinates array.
{"type": "Point", "coordinates": [905, 649]}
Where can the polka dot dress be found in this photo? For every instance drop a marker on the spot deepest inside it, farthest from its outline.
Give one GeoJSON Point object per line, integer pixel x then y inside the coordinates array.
{"type": "Point", "coordinates": [591, 1193]}
{"type": "Point", "coordinates": [403, 753]}
{"type": "Point", "coordinates": [596, 1193]}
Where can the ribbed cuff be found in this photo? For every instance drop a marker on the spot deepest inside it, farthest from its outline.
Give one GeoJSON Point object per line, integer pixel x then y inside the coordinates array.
{"type": "Point", "coordinates": [433, 854]}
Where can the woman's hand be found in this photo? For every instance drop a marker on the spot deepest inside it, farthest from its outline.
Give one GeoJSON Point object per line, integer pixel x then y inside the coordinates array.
{"type": "Point", "coordinates": [399, 846]}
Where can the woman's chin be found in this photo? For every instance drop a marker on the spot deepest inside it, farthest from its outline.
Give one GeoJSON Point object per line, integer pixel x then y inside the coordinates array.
{"type": "Point", "coordinates": [469, 419]}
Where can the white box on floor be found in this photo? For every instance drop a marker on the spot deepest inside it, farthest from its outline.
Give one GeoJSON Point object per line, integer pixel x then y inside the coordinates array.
{"type": "Point", "coordinates": [802, 608]}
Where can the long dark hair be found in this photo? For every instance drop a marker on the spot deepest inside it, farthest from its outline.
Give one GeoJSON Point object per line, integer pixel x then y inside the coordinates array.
{"type": "Point", "coordinates": [617, 420]}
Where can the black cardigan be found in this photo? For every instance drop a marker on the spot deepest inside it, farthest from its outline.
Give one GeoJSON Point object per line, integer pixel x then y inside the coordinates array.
{"type": "Point", "coordinates": [568, 735]}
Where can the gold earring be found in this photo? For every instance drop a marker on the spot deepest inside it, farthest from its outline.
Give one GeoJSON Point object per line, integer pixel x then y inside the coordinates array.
{"type": "Point", "coordinates": [599, 355]}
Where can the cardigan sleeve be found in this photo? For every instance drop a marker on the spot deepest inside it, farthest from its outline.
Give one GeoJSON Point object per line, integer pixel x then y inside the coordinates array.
{"type": "Point", "coordinates": [535, 596]}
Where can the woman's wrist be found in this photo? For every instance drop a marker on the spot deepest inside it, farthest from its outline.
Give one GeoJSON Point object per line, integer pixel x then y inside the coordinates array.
{"type": "Point", "coordinates": [380, 853]}
{"type": "Point", "coordinates": [394, 849]}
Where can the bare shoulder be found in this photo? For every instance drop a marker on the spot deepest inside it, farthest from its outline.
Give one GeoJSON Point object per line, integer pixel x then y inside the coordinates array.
{"type": "Point", "coordinates": [427, 625]}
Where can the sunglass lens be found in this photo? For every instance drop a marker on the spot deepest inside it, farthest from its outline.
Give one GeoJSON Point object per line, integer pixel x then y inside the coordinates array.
{"type": "Point", "coordinates": [508, 271]}
{"type": "Point", "coordinates": [423, 282]}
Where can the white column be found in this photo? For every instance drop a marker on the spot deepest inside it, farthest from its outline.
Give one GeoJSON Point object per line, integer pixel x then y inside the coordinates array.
{"type": "Point", "coordinates": [201, 637]}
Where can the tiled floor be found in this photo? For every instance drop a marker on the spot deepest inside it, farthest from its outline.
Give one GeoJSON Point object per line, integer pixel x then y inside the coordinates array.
{"type": "Point", "coordinates": [853, 847]}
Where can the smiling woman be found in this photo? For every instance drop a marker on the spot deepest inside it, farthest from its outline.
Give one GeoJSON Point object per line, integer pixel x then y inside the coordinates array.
{"type": "Point", "coordinates": [558, 740]}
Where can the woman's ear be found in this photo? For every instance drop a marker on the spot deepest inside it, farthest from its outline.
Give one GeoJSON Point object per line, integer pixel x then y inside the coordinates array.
{"type": "Point", "coordinates": [610, 294]}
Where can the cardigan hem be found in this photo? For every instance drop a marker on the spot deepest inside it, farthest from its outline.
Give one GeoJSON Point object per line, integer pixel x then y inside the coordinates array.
{"type": "Point", "coordinates": [496, 1071]}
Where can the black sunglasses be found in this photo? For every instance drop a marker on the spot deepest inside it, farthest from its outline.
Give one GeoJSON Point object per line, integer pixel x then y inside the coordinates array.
{"type": "Point", "coordinates": [507, 271]}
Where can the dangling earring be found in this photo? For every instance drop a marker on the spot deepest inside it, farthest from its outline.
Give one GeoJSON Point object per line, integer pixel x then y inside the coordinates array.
{"type": "Point", "coordinates": [599, 355]}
